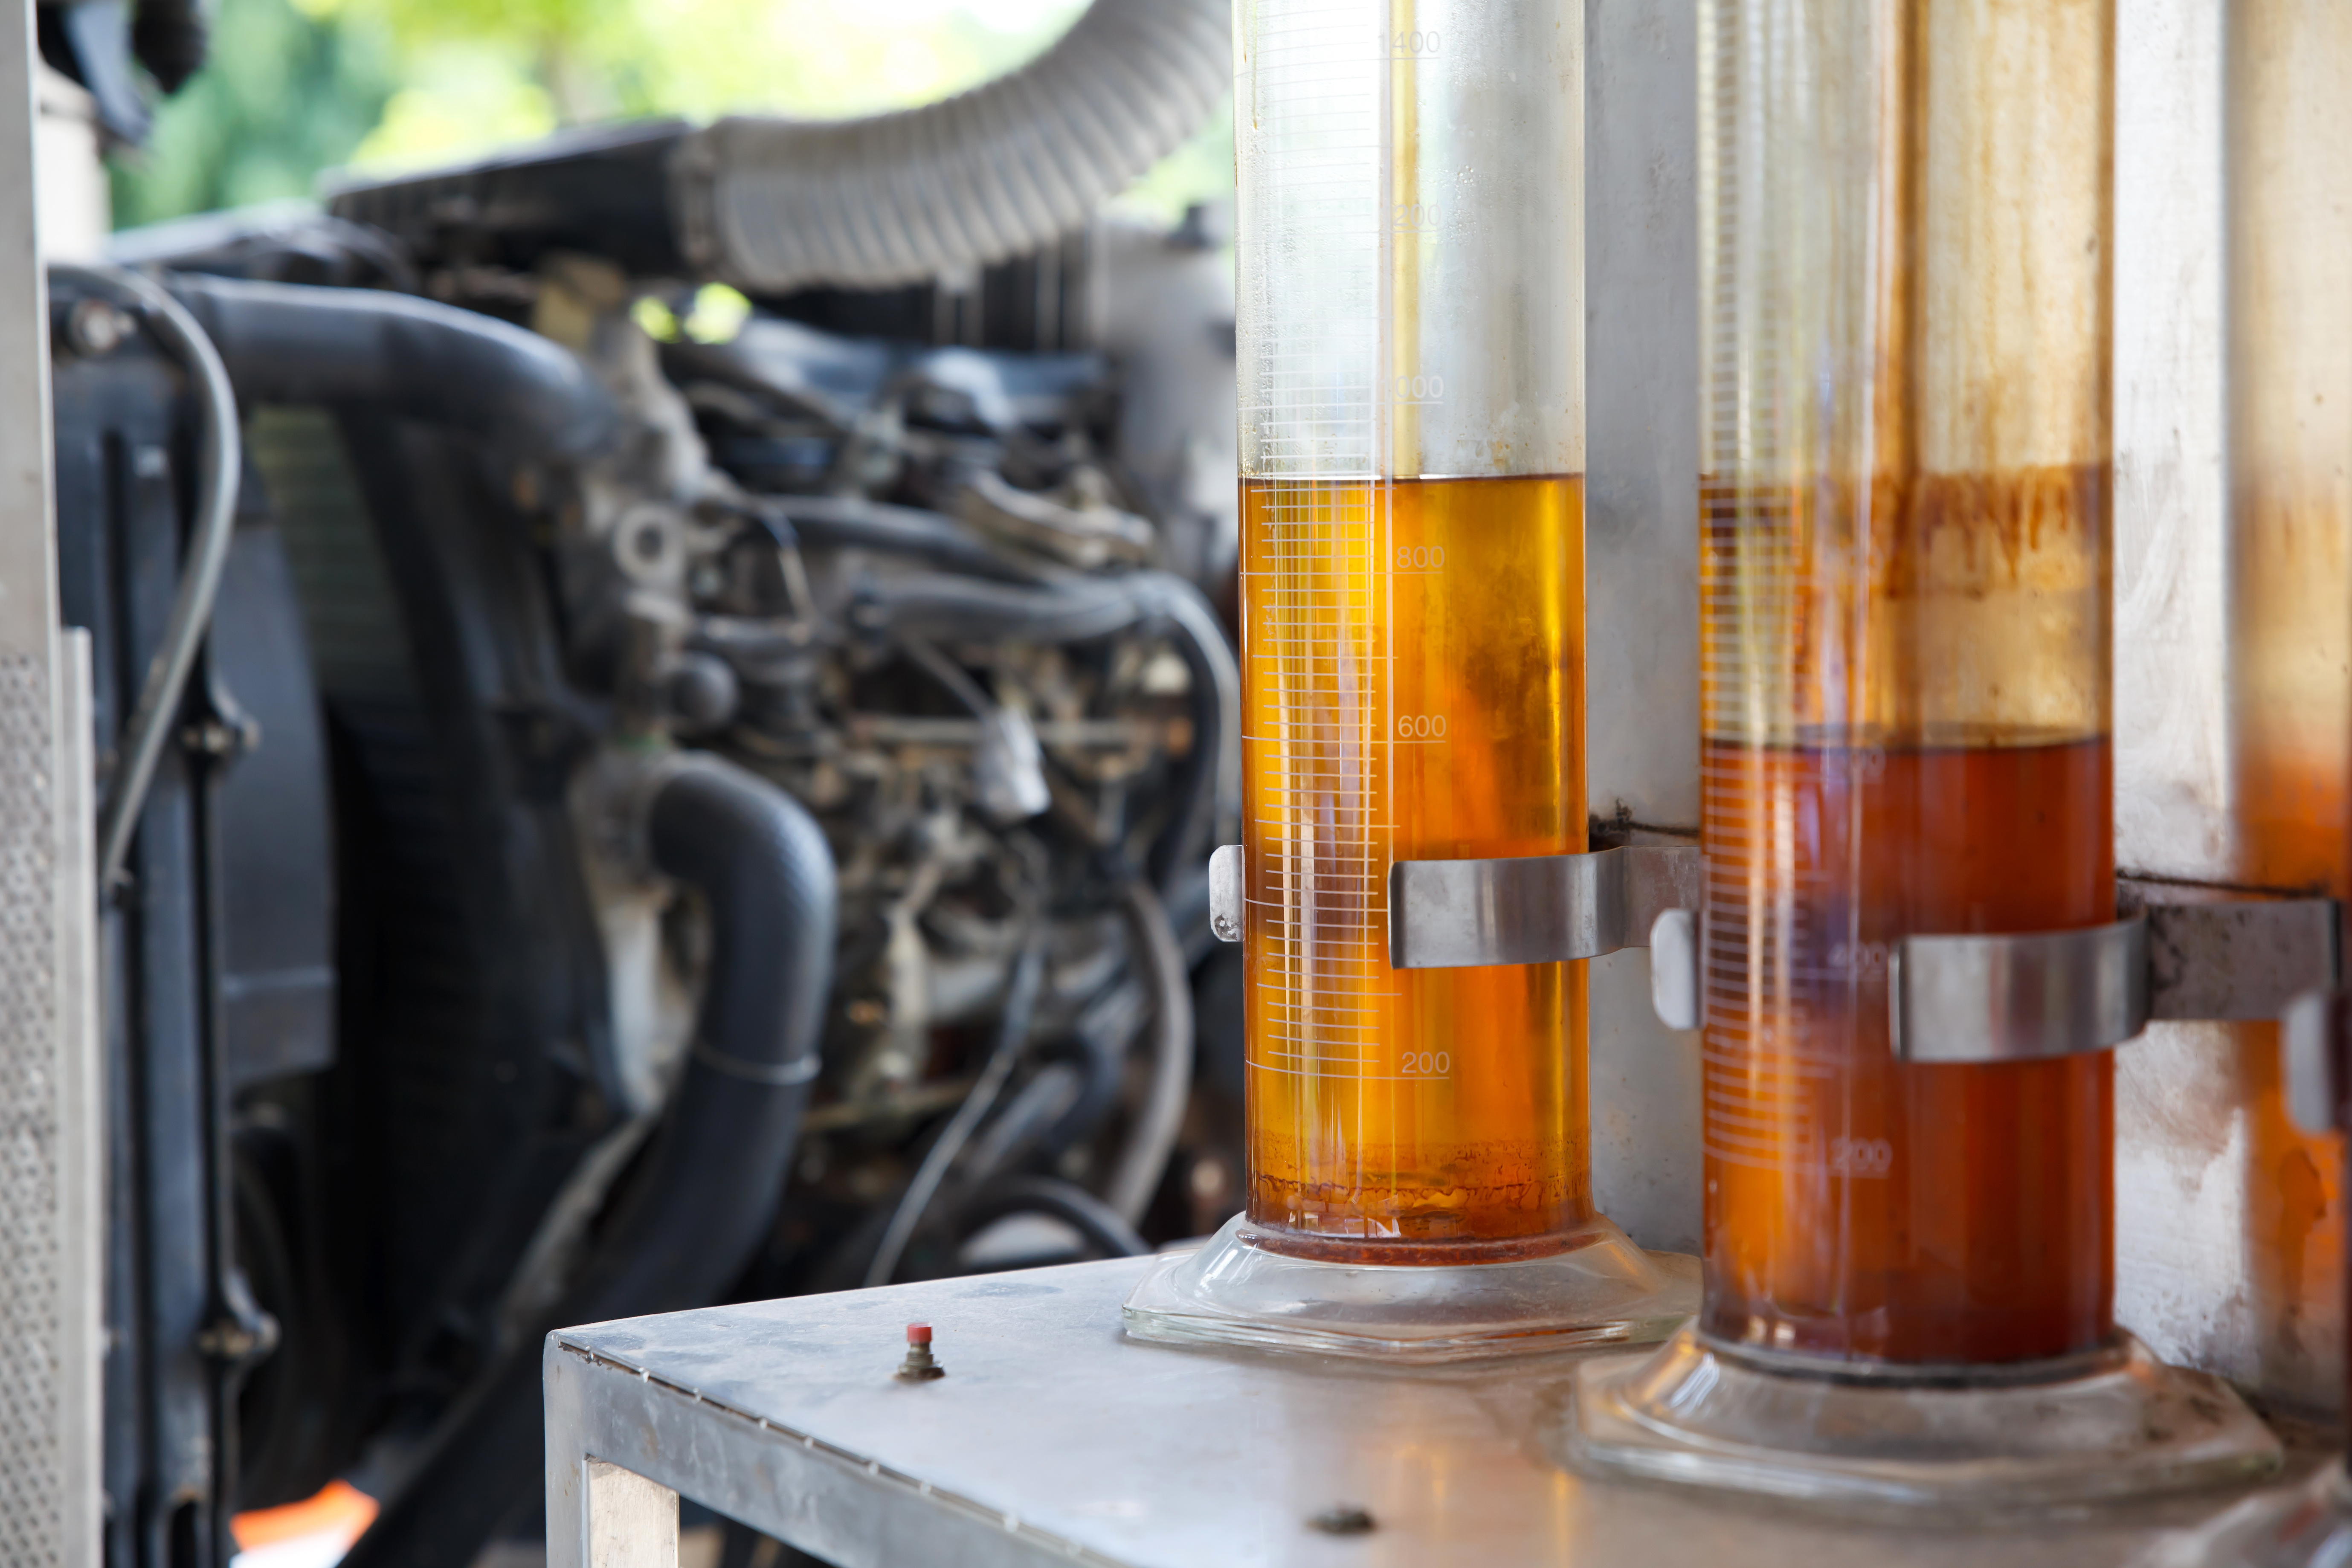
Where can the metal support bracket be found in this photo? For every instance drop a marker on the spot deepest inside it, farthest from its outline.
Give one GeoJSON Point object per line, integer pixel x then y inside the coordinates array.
{"type": "Point", "coordinates": [2016, 996]}
{"type": "Point", "coordinates": [2005, 998]}
{"type": "Point", "coordinates": [2244, 959]}
{"type": "Point", "coordinates": [1539, 908]}
{"type": "Point", "coordinates": [1965, 998]}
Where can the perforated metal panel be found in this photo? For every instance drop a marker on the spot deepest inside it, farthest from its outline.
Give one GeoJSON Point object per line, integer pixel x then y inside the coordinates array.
{"type": "Point", "coordinates": [49, 1129]}
{"type": "Point", "coordinates": [32, 1327]}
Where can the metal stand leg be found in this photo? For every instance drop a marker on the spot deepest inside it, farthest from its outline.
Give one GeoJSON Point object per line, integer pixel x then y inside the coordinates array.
{"type": "Point", "coordinates": [599, 1514]}
{"type": "Point", "coordinates": [630, 1521]}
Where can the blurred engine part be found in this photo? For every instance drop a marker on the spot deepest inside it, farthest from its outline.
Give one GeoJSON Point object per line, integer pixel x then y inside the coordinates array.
{"type": "Point", "coordinates": [771, 205]}
{"type": "Point", "coordinates": [100, 61]}
{"type": "Point", "coordinates": [662, 814]}
{"type": "Point", "coordinates": [218, 931]}
{"type": "Point", "coordinates": [97, 43]}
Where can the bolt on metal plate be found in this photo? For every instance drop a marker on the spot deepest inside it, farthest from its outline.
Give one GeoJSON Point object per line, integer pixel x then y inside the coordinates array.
{"type": "Point", "coordinates": [1344, 1519]}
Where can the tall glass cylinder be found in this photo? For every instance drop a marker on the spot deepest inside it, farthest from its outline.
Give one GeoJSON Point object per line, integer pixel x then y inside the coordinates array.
{"type": "Point", "coordinates": [1410, 262]}
{"type": "Point", "coordinates": [2289, 118]}
{"type": "Point", "coordinates": [1906, 301]}
{"type": "Point", "coordinates": [2290, 391]}
{"type": "Point", "coordinates": [2289, 387]}
{"type": "Point", "coordinates": [1410, 267]}
{"type": "Point", "coordinates": [2290, 384]}
{"type": "Point", "coordinates": [1905, 212]}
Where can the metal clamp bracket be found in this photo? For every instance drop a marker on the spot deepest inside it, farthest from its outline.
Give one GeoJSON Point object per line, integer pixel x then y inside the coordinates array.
{"type": "Point", "coordinates": [1539, 908]}
{"type": "Point", "coordinates": [2016, 996]}
{"type": "Point", "coordinates": [2241, 958]}
{"type": "Point", "coordinates": [2013, 996]}
{"type": "Point", "coordinates": [2002, 998]}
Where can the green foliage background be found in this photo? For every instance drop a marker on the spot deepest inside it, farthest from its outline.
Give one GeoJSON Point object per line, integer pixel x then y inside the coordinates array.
{"type": "Point", "coordinates": [282, 97]}
{"type": "Point", "coordinates": [297, 87]}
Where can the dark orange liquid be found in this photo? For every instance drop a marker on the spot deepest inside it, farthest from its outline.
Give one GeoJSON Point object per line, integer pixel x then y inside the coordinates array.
{"type": "Point", "coordinates": [1906, 599]}
{"type": "Point", "coordinates": [1861, 1207]}
{"type": "Point", "coordinates": [1416, 690]}
{"type": "Point", "coordinates": [2291, 668]}
{"type": "Point", "coordinates": [2292, 823]}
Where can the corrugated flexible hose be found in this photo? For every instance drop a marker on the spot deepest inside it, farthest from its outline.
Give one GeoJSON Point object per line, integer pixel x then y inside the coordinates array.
{"type": "Point", "coordinates": [771, 204]}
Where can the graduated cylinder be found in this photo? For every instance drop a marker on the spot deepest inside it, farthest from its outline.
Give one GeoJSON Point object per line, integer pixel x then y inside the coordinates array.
{"type": "Point", "coordinates": [2289, 665]}
{"type": "Point", "coordinates": [1410, 267]}
{"type": "Point", "coordinates": [1905, 244]}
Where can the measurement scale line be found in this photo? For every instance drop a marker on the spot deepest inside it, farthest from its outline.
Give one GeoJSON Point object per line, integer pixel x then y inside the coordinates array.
{"type": "Point", "coordinates": [1347, 1077]}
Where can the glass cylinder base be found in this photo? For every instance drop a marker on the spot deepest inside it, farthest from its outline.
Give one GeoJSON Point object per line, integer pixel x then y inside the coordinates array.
{"type": "Point", "coordinates": [2305, 1526]}
{"type": "Point", "coordinates": [1600, 1290]}
{"type": "Point", "coordinates": [2113, 1423]}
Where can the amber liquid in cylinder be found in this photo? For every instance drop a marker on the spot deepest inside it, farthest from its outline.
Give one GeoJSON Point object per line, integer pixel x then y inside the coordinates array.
{"type": "Point", "coordinates": [1860, 1207]}
{"type": "Point", "coordinates": [1414, 666]}
{"type": "Point", "coordinates": [1867, 1208]}
{"type": "Point", "coordinates": [2290, 662]}
{"type": "Point", "coordinates": [2291, 676]}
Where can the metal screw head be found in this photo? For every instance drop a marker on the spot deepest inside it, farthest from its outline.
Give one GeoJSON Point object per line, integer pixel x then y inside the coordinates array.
{"type": "Point", "coordinates": [96, 328]}
{"type": "Point", "coordinates": [1224, 929]}
{"type": "Point", "coordinates": [1344, 1519]}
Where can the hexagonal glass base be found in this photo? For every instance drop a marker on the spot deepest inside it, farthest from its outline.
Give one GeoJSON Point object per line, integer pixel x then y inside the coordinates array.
{"type": "Point", "coordinates": [2113, 1423]}
{"type": "Point", "coordinates": [1602, 1289]}
{"type": "Point", "coordinates": [2306, 1526]}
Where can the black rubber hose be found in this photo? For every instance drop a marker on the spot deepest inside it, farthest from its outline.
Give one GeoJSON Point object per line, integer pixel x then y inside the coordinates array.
{"type": "Point", "coordinates": [154, 718]}
{"type": "Point", "coordinates": [1096, 1223]}
{"type": "Point", "coordinates": [263, 247]}
{"type": "Point", "coordinates": [849, 522]}
{"type": "Point", "coordinates": [1100, 1062]}
{"type": "Point", "coordinates": [959, 609]}
{"type": "Point", "coordinates": [1211, 783]}
{"type": "Point", "coordinates": [1012, 1034]}
{"type": "Point", "coordinates": [699, 1206]}
{"type": "Point", "coordinates": [286, 343]}
{"type": "Point", "coordinates": [1159, 957]}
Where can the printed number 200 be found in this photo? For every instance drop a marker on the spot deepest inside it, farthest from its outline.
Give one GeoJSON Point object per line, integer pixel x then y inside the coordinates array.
{"type": "Point", "coordinates": [1860, 1156]}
